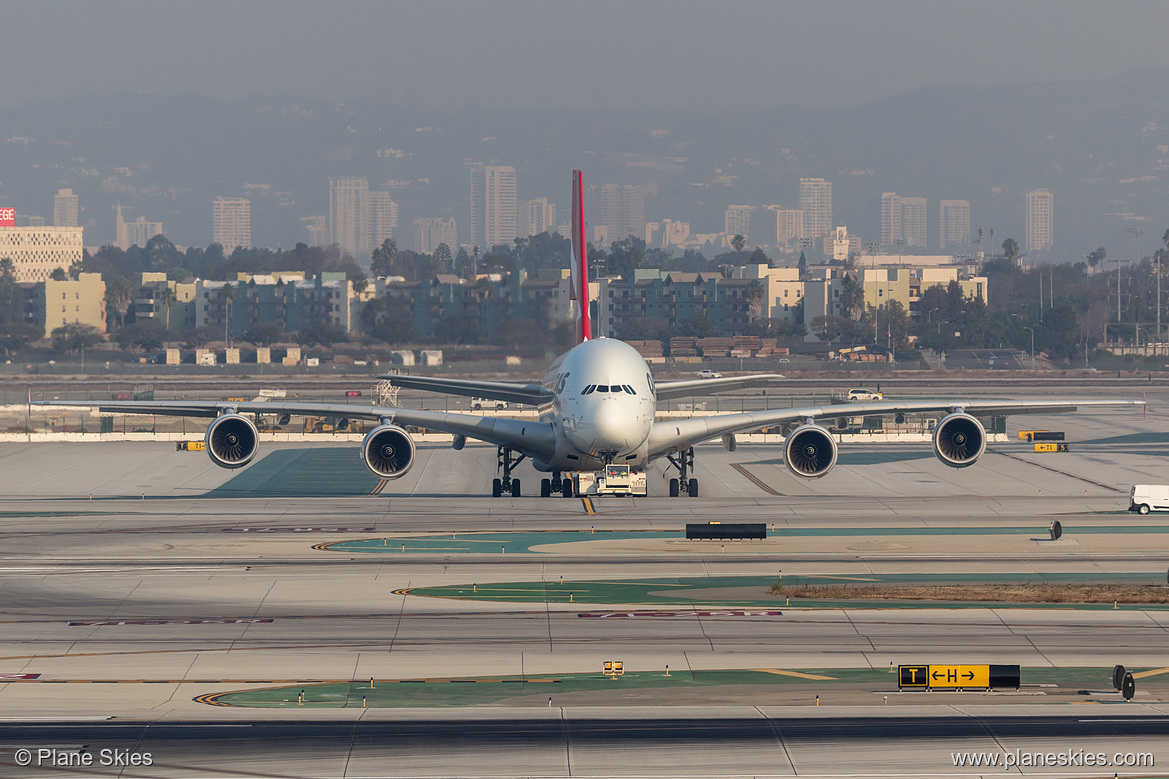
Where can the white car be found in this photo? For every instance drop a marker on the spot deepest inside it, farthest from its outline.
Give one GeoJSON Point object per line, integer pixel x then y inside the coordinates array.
{"type": "Point", "coordinates": [706, 373]}
{"type": "Point", "coordinates": [478, 404]}
{"type": "Point", "coordinates": [862, 394]}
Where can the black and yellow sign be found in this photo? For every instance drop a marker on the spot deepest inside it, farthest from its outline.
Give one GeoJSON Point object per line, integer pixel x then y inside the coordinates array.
{"type": "Point", "coordinates": [613, 668]}
{"type": "Point", "coordinates": [949, 677]}
{"type": "Point", "coordinates": [913, 676]}
{"type": "Point", "coordinates": [1052, 447]}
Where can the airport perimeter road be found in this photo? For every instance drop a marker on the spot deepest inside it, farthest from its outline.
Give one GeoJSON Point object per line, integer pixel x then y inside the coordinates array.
{"type": "Point", "coordinates": [695, 741]}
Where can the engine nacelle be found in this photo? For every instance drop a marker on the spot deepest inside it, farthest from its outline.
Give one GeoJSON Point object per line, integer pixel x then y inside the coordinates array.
{"type": "Point", "coordinates": [232, 441]}
{"type": "Point", "coordinates": [809, 452]}
{"type": "Point", "coordinates": [959, 440]}
{"type": "Point", "coordinates": [388, 451]}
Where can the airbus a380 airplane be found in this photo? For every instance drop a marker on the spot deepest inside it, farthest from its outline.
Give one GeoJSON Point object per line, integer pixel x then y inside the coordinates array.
{"type": "Point", "coordinates": [597, 406]}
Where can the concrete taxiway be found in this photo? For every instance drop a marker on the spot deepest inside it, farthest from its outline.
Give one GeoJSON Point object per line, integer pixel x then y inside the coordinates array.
{"type": "Point", "coordinates": [135, 580]}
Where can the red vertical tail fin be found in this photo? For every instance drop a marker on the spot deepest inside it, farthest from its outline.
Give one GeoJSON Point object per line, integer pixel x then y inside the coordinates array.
{"type": "Point", "coordinates": [580, 261]}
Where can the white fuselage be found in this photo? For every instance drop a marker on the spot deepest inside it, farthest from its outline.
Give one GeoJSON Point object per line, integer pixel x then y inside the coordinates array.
{"type": "Point", "coordinates": [602, 409]}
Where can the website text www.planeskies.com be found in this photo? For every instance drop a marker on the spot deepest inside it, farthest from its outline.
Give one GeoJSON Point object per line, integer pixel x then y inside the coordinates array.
{"type": "Point", "coordinates": [1063, 759]}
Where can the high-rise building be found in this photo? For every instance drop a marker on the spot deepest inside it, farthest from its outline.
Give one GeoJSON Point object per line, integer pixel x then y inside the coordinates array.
{"type": "Point", "coordinates": [1040, 203]}
{"type": "Point", "coordinates": [493, 205]}
{"type": "Point", "coordinates": [816, 203]}
{"type": "Point", "coordinates": [737, 221]}
{"type": "Point", "coordinates": [954, 224]}
{"type": "Point", "coordinates": [789, 224]}
{"type": "Point", "coordinates": [914, 221]}
{"type": "Point", "coordinates": [349, 216]}
{"type": "Point", "coordinates": [536, 216]}
{"type": "Point", "coordinates": [65, 209]}
{"type": "Point", "coordinates": [136, 233]}
{"type": "Point", "coordinates": [430, 232]}
{"type": "Point", "coordinates": [231, 223]}
{"type": "Point", "coordinates": [891, 219]}
{"type": "Point", "coordinates": [383, 217]}
{"type": "Point", "coordinates": [318, 229]}
{"type": "Point", "coordinates": [622, 211]}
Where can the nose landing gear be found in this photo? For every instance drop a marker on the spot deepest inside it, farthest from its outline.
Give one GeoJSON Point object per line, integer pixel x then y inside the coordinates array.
{"type": "Point", "coordinates": [556, 485]}
{"type": "Point", "coordinates": [506, 461]}
{"type": "Point", "coordinates": [684, 462]}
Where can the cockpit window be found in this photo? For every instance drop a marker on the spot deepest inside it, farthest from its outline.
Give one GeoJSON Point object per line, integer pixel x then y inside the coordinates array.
{"type": "Point", "coordinates": [602, 388]}
{"type": "Point", "coordinates": [588, 389]}
{"type": "Point", "coordinates": [629, 389]}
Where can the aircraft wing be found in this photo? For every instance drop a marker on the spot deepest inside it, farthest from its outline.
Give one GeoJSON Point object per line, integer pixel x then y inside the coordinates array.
{"type": "Point", "coordinates": [672, 435]}
{"type": "Point", "coordinates": [531, 437]}
{"type": "Point", "coordinates": [526, 394]}
{"type": "Point", "coordinates": [667, 390]}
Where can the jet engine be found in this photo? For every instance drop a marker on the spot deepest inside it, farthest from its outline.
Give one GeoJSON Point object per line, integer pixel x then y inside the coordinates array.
{"type": "Point", "coordinates": [959, 440]}
{"type": "Point", "coordinates": [232, 441]}
{"type": "Point", "coordinates": [809, 452]}
{"type": "Point", "coordinates": [388, 451]}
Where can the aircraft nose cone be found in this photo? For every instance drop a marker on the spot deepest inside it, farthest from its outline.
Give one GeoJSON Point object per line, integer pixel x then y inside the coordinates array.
{"type": "Point", "coordinates": [611, 428]}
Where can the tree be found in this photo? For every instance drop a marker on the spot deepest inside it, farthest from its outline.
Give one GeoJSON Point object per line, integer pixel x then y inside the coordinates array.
{"type": "Point", "coordinates": [388, 320]}
{"type": "Point", "coordinates": [324, 334]}
{"type": "Point", "coordinates": [200, 336]}
{"type": "Point", "coordinates": [738, 242]}
{"type": "Point", "coordinates": [75, 336]}
{"type": "Point", "coordinates": [1096, 257]}
{"type": "Point", "coordinates": [1010, 249]}
{"type": "Point", "coordinates": [461, 329]}
{"type": "Point", "coordinates": [167, 297]}
{"type": "Point", "coordinates": [263, 333]}
{"type": "Point", "coordinates": [384, 258]}
{"type": "Point", "coordinates": [148, 334]}
{"type": "Point", "coordinates": [58, 274]}
{"type": "Point", "coordinates": [442, 256]}
{"type": "Point", "coordinates": [14, 336]}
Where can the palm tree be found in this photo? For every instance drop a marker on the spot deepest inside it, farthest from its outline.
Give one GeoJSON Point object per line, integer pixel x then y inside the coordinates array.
{"type": "Point", "coordinates": [7, 269]}
{"type": "Point", "coordinates": [739, 242]}
{"type": "Point", "coordinates": [1011, 249]}
{"type": "Point", "coordinates": [227, 294]}
{"type": "Point", "coordinates": [167, 297]}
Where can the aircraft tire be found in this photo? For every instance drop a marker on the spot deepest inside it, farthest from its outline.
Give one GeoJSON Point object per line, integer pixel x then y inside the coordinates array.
{"type": "Point", "coordinates": [496, 488]}
{"type": "Point", "coordinates": [674, 488]}
{"type": "Point", "coordinates": [566, 488]}
{"type": "Point", "coordinates": [515, 488]}
{"type": "Point", "coordinates": [692, 488]}
{"type": "Point", "coordinates": [545, 488]}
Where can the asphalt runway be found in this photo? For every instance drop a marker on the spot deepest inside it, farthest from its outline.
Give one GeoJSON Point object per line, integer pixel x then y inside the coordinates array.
{"type": "Point", "coordinates": [135, 579]}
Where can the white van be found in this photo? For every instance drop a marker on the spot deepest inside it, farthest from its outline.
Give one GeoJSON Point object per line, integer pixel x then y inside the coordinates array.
{"type": "Point", "coordinates": [1148, 497]}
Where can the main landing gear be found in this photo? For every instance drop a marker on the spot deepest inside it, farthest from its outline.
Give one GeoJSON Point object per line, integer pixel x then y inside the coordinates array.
{"type": "Point", "coordinates": [684, 462]}
{"type": "Point", "coordinates": [556, 484]}
{"type": "Point", "coordinates": [506, 462]}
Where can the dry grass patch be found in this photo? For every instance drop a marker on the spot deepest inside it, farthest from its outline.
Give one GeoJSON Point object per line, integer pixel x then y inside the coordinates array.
{"type": "Point", "coordinates": [1016, 592]}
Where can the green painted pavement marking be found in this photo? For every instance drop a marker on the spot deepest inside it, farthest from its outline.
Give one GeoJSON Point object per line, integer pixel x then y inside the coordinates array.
{"type": "Point", "coordinates": [472, 691]}
{"type": "Point", "coordinates": [310, 472]}
{"type": "Point", "coordinates": [488, 543]}
{"type": "Point", "coordinates": [695, 591]}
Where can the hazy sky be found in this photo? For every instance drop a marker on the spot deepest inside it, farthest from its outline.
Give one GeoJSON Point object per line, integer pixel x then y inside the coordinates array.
{"type": "Point", "coordinates": [590, 53]}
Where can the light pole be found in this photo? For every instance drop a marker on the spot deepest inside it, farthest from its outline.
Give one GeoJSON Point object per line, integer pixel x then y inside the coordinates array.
{"type": "Point", "coordinates": [1032, 329]}
{"type": "Point", "coordinates": [1136, 233]}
